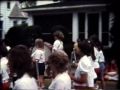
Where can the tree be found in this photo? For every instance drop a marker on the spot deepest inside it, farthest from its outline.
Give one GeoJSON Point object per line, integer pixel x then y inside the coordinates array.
{"type": "Point", "coordinates": [22, 35]}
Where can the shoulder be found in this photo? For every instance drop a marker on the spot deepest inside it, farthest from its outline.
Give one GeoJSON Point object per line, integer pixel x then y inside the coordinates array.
{"type": "Point", "coordinates": [84, 59]}
{"type": "Point", "coordinates": [39, 51]}
{"type": "Point", "coordinates": [24, 82]}
{"type": "Point", "coordinates": [85, 63]}
{"type": "Point", "coordinates": [62, 77]}
{"type": "Point", "coordinates": [57, 41]}
{"type": "Point", "coordinates": [4, 61]}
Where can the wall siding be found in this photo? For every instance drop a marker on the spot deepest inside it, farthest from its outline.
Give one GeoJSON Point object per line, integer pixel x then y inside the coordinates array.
{"type": "Point", "coordinates": [7, 22]}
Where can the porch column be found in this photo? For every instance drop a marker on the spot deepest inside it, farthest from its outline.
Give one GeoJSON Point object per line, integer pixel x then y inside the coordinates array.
{"type": "Point", "coordinates": [86, 25]}
{"type": "Point", "coordinates": [111, 21]}
{"type": "Point", "coordinates": [100, 26]}
{"type": "Point", "coordinates": [75, 27]}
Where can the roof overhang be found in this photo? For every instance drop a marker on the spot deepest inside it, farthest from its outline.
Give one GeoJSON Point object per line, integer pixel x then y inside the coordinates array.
{"type": "Point", "coordinates": [18, 17]}
{"type": "Point", "coordinates": [66, 9]}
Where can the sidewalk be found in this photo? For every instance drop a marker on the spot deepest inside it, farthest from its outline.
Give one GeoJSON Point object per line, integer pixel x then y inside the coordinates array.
{"type": "Point", "coordinates": [110, 85]}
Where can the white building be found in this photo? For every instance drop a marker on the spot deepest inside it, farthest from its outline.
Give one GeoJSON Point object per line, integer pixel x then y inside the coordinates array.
{"type": "Point", "coordinates": [11, 15]}
{"type": "Point", "coordinates": [82, 18]}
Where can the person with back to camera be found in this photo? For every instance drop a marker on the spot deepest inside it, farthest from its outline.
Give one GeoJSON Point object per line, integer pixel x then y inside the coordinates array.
{"type": "Point", "coordinates": [98, 52]}
{"type": "Point", "coordinates": [92, 75]}
{"type": "Point", "coordinates": [58, 43]}
{"type": "Point", "coordinates": [39, 56]}
{"type": "Point", "coordinates": [58, 62]}
{"type": "Point", "coordinates": [20, 63]}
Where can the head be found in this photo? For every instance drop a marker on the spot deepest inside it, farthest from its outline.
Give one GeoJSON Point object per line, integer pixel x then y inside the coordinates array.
{"type": "Point", "coordinates": [95, 41]}
{"type": "Point", "coordinates": [39, 43]}
{"type": "Point", "coordinates": [58, 35]}
{"type": "Point", "coordinates": [58, 62]}
{"type": "Point", "coordinates": [20, 61]}
{"type": "Point", "coordinates": [91, 49]}
{"type": "Point", "coordinates": [75, 46]}
{"type": "Point", "coordinates": [83, 48]}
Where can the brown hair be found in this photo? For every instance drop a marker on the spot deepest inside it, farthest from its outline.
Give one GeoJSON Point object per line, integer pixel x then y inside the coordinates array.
{"type": "Point", "coordinates": [39, 43]}
{"type": "Point", "coordinates": [59, 35]}
{"type": "Point", "coordinates": [59, 61]}
{"type": "Point", "coordinates": [20, 61]}
{"type": "Point", "coordinates": [87, 48]}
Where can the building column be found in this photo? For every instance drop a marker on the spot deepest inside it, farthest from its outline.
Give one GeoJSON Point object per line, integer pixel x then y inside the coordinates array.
{"type": "Point", "coordinates": [100, 26]}
{"type": "Point", "coordinates": [111, 21]}
{"type": "Point", "coordinates": [75, 27]}
{"type": "Point", "coordinates": [30, 20]}
{"type": "Point", "coordinates": [86, 25]}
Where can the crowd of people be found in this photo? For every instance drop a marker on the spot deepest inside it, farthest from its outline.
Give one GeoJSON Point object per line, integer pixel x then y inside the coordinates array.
{"type": "Point", "coordinates": [24, 69]}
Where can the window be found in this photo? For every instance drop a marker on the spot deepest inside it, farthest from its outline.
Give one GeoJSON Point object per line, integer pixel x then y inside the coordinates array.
{"type": "Point", "coordinates": [1, 26]}
{"type": "Point", "coordinates": [93, 24]}
{"type": "Point", "coordinates": [15, 23]}
{"type": "Point", "coordinates": [23, 22]}
{"type": "Point", "coordinates": [8, 5]}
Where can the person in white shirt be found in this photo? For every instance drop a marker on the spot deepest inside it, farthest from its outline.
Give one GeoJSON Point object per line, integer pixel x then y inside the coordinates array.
{"type": "Point", "coordinates": [25, 83]}
{"type": "Point", "coordinates": [4, 69]}
{"type": "Point", "coordinates": [82, 74]}
{"type": "Point", "coordinates": [38, 56]}
{"type": "Point", "coordinates": [98, 52]}
{"type": "Point", "coordinates": [58, 43]}
{"type": "Point", "coordinates": [58, 62]}
{"type": "Point", "coordinates": [20, 63]}
{"type": "Point", "coordinates": [92, 75]}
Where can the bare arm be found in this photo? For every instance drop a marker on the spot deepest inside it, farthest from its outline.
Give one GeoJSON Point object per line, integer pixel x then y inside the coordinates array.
{"type": "Point", "coordinates": [83, 78]}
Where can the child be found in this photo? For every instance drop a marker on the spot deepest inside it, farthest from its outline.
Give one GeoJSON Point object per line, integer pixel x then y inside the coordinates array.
{"type": "Point", "coordinates": [39, 56]}
{"type": "Point", "coordinates": [58, 43]}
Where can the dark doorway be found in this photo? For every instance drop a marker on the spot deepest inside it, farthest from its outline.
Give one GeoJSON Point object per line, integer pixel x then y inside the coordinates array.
{"type": "Point", "coordinates": [47, 22]}
{"type": "Point", "coordinates": [1, 27]}
{"type": "Point", "coordinates": [81, 26]}
{"type": "Point", "coordinates": [93, 24]}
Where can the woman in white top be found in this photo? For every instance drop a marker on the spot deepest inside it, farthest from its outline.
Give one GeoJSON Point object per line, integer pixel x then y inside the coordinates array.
{"type": "Point", "coordinates": [58, 62]}
{"type": "Point", "coordinates": [20, 63]}
{"type": "Point", "coordinates": [92, 74]}
{"type": "Point", "coordinates": [58, 43]}
{"type": "Point", "coordinates": [82, 73]}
